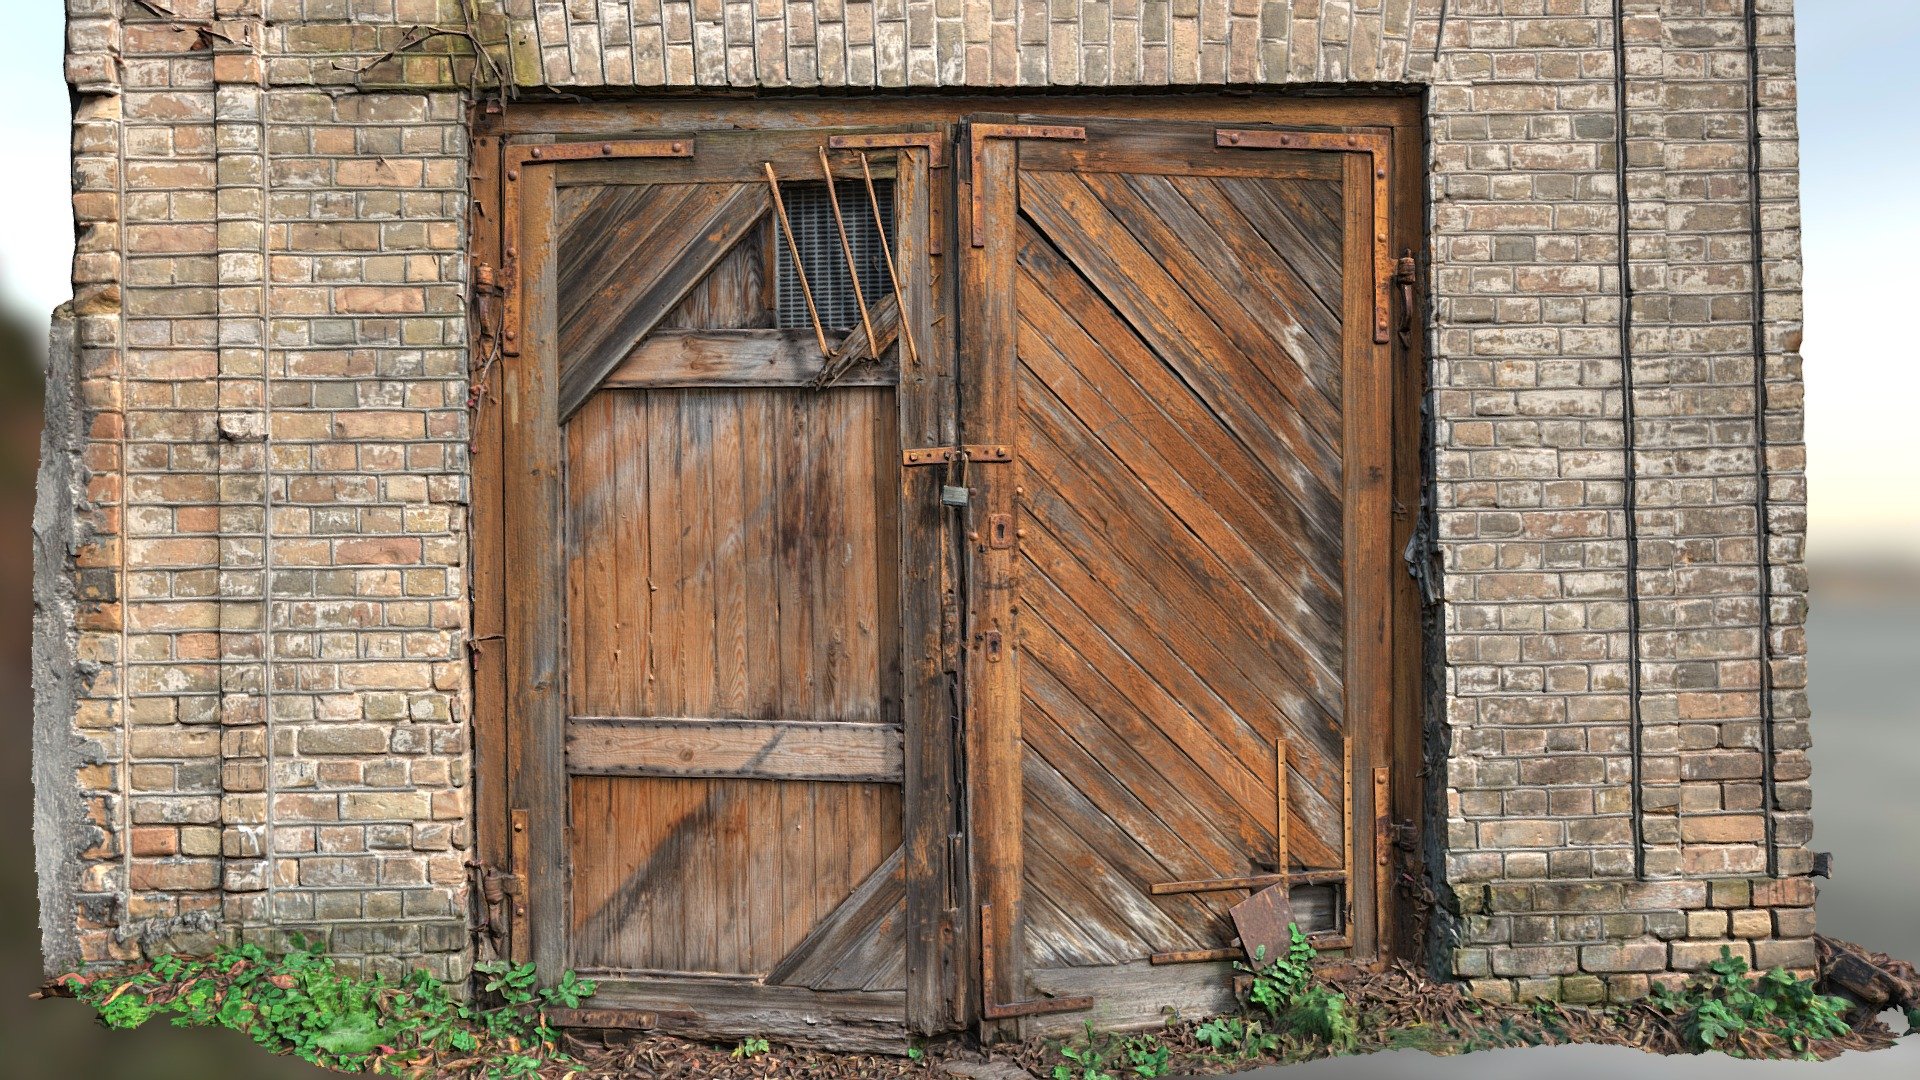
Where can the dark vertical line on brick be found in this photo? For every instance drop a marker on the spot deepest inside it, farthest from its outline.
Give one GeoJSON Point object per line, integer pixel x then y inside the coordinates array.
{"type": "Point", "coordinates": [1630, 499]}
{"type": "Point", "coordinates": [1761, 529]}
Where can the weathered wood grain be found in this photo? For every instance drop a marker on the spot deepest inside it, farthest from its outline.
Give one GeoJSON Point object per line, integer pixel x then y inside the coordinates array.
{"type": "Point", "coordinates": [737, 358]}
{"type": "Point", "coordinates": [859, 942]}
{"type": "Point", "coordinates": [767, 750]}
{"type": "Point", "coordinates": [615, 312]}
{"type": "Point", "coordinates": [665, 869]}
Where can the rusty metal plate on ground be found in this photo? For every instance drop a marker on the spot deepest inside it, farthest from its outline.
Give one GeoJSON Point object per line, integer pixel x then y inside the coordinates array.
{"type": "Point", "coordinates": [1262, 920]}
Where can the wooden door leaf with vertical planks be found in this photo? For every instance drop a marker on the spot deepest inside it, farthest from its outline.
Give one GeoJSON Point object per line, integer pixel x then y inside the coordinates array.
{"type": "Point", "coordinates": [732, 714]}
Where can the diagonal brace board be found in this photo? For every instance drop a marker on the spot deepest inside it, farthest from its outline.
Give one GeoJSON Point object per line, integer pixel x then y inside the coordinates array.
{"type": "Point", "coordinates": [644, 299]}
{"type": "Point", "coordinates": [1376, 144]}
{"type": "Point", "coordinates": [518, 158]}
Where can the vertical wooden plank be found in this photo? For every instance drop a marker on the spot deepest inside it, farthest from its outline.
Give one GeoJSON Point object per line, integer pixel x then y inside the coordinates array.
{"type": "Point", "coordinates": [695, 646]}
{"type": "Point", "coordinates": [490, 728]}
{"type": "Point", "coordinates": [536, 549]}
{"type": "Point", "coordinates": [883, 488]}
{"type": "Point", "coordinates": [1367, 411]}
{"type": "Point", "coordinates": [792, 445]}
{"type": "Point", "coordinates": [633, 650]}
{"type": "Point", "coordinates": [762, 907]}
{"type": "Point", "coordinates": [988, 410]}
{"type": "Point", "coordinates": [861, 575]}
{"type": "Point", "coordinates": [936, 941]}
{"type": "Point", "coordinates": [666, 574]}
{"type": "Point", "coordinates": [730, 567]}
{"type": "Point", "coordinates": [594, 507]}
{"type": "Point", "coordinates": [760, 498]}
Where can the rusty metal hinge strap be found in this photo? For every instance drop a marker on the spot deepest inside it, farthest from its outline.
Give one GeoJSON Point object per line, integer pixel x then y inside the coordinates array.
{"type": "Point", "coordinates": [978, 134]}
{"type": "Point", "coordinates": [934, 143]}
{"type": "Point", "coordinates": [1377, 144]}
{"type": "Point", "coordinates": [991, 1005]}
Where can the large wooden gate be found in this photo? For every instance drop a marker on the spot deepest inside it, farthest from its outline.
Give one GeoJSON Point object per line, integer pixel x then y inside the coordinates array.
{"type": "Point", "coordinates": [940, 595]}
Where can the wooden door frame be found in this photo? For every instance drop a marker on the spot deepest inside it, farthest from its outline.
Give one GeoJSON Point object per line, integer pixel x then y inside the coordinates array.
{"type": "Point", "coordinates": [944, 980]}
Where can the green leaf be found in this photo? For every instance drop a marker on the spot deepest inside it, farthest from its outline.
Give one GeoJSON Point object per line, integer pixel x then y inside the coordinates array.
{"type": "Point", "coordinates": [353, 1035]}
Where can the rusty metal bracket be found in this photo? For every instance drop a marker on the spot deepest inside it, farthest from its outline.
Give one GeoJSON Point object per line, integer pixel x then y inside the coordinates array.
{"type": "Point", "coordinates": [523, 156]}
{"type": "Point", "coordinates": [1252, 881]}
{"type": "Point", "coordinates": [1377, 144]}
{"type": "Point", "coordinates": [943, 455]}
{"type": "Point", "coordinates": [990, 1004]}
{"type": "Point", "coordinates": [519, 922]}
{"type": "Point", "coordinates": [978, 134]}
{"type": "Point", "coordinates": [934, 143]}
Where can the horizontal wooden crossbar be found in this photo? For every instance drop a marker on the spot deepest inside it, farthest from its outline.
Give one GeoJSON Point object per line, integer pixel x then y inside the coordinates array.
{"type": "Point", "coordinates": [742, 749]}
{"type": "Point", "coordinates": [738, 358]}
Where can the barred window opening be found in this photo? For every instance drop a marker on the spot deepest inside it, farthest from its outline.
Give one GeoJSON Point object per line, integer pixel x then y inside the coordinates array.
{"type": "Point", "coordinates": [818, 239]}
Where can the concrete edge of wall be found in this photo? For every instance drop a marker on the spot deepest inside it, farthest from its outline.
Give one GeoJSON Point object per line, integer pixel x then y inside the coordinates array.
{"type": "Point", "coordinates": [62, 831]}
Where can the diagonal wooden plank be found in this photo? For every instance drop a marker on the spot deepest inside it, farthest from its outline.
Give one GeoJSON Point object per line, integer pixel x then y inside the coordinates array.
{"type": "Point", "coordinates": [1083, 860]}
{"type": "Point", "coordinates": [1066, 310]}
{"type": "Point", "coordinates": [1151, 738]}
{"type": "Point", "coordinates": [1277, 213]}
{"type": "Point", "coordinates": [1080, 476]}
{"type": "Point", "coordinates": [1120, 602]}
{"type": "Point", "coordinates": [821, 959]}
{"type": "Point", "coordinates": [606, 233]}
{"type": "Point", "coordinates": [1080, 607]}
{"type": "Point", "coordinates": [1284, 330]}
{"type": "Point", "coordinates": [1266, 562]}
{"type": "Point", "coordinates": [650, 284]}
{"type": "Point", "coordinates": [1185, 335]}
{"type": "Point", "coordinates": [1268, 282]}
{"type": "Point", "coordinates": [1154, 816]}
{"type": "Point", "coordinates": [1075, 683]}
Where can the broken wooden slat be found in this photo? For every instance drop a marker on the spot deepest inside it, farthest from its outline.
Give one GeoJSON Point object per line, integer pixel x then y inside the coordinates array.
{"type": "Point", "coordinates": [768, 750]}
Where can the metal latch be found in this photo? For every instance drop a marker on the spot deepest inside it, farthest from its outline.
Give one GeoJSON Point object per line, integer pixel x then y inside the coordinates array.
{"type": "Point", "coordinates": [944, 455]}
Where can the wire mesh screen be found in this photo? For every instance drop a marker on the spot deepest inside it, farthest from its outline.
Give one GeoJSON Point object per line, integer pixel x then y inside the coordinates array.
{"type": "Point", "coordinates": [818, 238]}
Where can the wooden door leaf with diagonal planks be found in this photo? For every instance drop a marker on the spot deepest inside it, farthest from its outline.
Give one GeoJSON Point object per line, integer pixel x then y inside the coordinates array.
{"type": "Point", "coordinates": [1177, 340]}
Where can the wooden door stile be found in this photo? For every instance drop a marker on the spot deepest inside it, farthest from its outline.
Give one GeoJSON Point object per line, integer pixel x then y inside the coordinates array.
{"type": "Point", "coordinates": [534, 545]}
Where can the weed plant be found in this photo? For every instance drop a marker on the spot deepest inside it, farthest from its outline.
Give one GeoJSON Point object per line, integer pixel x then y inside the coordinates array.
{"type": "Point", "coordinates": [302, 1005]}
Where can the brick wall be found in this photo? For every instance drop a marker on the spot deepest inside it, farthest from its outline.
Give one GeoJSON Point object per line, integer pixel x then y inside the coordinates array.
{"type": "Point", "coordinates": [271, 366]}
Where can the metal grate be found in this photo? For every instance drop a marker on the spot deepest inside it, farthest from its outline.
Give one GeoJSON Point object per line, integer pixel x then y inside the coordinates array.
{"type": "Point", "coordinates": [818, 239]}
